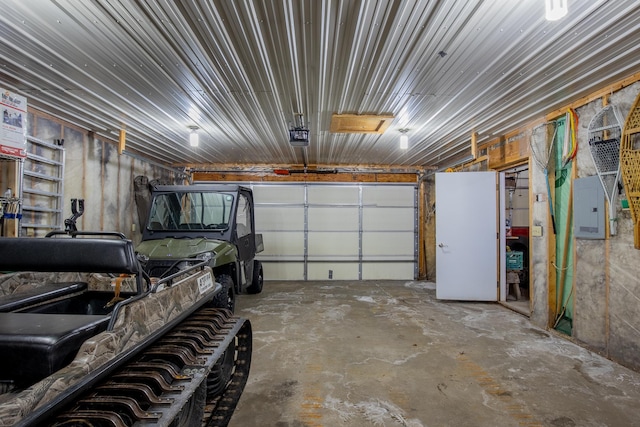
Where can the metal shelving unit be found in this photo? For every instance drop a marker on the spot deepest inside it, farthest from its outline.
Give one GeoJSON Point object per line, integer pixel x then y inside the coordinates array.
{"type": "Point", "coordinates": [11, 204]}
{"type": "Point", "coordinates": [42, 188]}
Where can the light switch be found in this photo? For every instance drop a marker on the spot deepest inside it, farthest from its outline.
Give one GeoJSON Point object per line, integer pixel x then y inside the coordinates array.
{"type": "Point", "coordinates": [536, 231]}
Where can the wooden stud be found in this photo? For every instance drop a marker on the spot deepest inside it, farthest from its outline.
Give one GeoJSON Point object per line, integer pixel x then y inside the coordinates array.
{"type": "Point", "coordinates": [122, 140]}
{"type": "Point", "coordinates": [306, 177]}
{"type": "Point", "coordinates": [474, 145]}
{"type": "Point", "coordinates": [422, 206]}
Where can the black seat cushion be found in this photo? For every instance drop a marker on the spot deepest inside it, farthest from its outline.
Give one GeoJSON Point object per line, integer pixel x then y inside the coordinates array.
{"type": "Point", "coordinates": [35, 345]}
{"type": "Point", "coordinates": [63, 254]}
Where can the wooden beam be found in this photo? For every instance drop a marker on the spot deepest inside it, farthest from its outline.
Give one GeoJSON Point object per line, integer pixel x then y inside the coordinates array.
{"type": "Point", "coordinates": [269, 168]}
{"type": "Point", "coordinates": [305, 177]}
{"type": "Point", "coordinates": [122, 140]}
{"type": "Point", "coordinates": [474, 145]}
{"type": "Point", "coordinates": [605, 91]}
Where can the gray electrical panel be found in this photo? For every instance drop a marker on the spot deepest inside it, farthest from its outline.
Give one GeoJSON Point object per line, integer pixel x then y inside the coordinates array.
{"type": "Point", "coordinates": [588, 208]}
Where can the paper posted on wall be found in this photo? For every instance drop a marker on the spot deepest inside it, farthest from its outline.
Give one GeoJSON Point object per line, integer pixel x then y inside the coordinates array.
{"type": "Point", "coordinates": [13, 133]}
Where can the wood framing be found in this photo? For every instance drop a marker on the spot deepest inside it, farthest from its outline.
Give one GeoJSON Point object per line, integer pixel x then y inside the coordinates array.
{"type": "Point", "coordinates": [306, 177]}
{"type": "Point", "coordinates": [122, 140]}
{"type": "Point", "coordinates": [474, 145]}
{"type": "Point", "coordinates": [360, 123]}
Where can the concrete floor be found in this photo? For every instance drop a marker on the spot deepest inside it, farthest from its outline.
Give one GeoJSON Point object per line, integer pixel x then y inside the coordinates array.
{"type": "Point", "coordinates": [388, 354]}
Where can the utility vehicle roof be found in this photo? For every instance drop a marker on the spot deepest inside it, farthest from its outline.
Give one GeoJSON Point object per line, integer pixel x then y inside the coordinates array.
{"type": "Point", "coordinates": [200, 188]}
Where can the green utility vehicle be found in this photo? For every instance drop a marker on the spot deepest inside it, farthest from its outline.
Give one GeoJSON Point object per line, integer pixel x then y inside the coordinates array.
{"type": "Point", "coordinates": [211, 222]}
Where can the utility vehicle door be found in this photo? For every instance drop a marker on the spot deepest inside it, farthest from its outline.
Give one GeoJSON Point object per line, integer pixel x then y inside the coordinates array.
{"type": "Point", "coordinates": [245, 233]}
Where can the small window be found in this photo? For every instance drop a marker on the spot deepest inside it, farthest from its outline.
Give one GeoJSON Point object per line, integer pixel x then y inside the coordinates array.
{"type": "Point", "coordinates": [243, 217]}
{"type": "Point", "coordinates": [190, 211]}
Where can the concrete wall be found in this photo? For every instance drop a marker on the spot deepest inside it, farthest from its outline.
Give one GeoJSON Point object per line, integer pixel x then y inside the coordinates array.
{"type": "Point", "coordinates": [95, 172]}
{"type": "Point", "coordinates": [607, 272]}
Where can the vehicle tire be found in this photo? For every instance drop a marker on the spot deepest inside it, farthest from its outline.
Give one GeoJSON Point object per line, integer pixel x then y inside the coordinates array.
{"type": "Point", "coordinates": [192, 413]}
{"type": "Point", "coordinates": [227, 297]}
{"type": "Point", "coordinates": [221, 372]}
{"type": "Point", "coordinates": [258, 278]}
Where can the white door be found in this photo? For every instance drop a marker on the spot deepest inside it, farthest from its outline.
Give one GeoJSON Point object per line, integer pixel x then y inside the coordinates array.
{"type": "Point", "coordinates": [467, 241]}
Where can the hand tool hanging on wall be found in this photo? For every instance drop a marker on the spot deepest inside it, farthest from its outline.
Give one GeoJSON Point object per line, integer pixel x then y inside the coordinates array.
{"type": "Point", "coordinates": [605, 130]}
{"type": "Point", "coordinates": [542, 156]}
{"type": "Point", "coordinates": [630, 166]}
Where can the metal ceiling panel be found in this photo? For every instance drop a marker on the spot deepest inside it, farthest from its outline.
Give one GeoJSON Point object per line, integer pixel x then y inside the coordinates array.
{"type": "Point", "coordinates": [242, 70]}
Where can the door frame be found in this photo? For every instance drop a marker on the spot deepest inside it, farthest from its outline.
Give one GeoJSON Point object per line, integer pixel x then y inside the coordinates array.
{"type": "Point", "coordinates": [503, 292]}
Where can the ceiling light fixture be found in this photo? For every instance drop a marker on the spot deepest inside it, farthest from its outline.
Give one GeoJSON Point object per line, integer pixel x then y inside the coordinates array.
{"type": "Point", "coordinates": [193, 136]}
{"type": "Point", "coordinates": [404, 139]}
{"type": "Point", "coordinates": [555, 9]}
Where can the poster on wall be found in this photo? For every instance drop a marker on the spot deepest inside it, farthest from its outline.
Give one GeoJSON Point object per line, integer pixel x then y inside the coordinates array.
{"type": "Point", "coordinates": [13, 137]}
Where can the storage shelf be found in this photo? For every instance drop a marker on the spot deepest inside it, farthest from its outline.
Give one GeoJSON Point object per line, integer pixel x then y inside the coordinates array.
{"type": "Point", "coordinates": [50, 157]}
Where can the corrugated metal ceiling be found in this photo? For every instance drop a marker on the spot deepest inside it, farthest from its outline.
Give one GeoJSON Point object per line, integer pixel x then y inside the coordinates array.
{"type": "Point", "coordinates": [241, 70]}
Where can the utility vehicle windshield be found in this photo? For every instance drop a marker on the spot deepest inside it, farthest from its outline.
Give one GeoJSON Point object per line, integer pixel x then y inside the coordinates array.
{"type": "Point", "coordinates": [190, 211]}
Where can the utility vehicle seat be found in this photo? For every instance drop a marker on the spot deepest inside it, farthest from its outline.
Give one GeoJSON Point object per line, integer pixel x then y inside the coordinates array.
{"type": "Point", "coordinates": [35, 345]}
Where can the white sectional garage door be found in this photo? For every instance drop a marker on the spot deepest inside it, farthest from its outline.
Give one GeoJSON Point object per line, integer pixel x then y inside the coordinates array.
{"type": "Point", "coordinates": [337, 231]}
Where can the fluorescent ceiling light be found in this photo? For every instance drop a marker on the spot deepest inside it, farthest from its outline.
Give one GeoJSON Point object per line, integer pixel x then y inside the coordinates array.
{"type": "Point", "coordinates": [555, 9]}
{"type": "Point", "coordinates": [404, 141]}
{"type": "Point", "coordinates": [193, 137]}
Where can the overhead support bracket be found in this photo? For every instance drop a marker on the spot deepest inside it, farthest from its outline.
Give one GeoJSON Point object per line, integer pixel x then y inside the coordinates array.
{"type": "Point", "coordinates": [122, 140]}
{"type": "Point", "coordinates": [474, 145]}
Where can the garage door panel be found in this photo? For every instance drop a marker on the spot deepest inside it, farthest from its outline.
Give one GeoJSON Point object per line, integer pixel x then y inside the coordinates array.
{"type": "Point", "coordinates": [394, 245]}
{"type": "Point", "coordinates": [387, 218]}
{"type": "Point", "coordinates": [337, 244]}
{"type": "Point", "coordinates": [333, 195]}
{"type": "Point", "coordinates": [283, 270]}
{"type": "Point", "coordinates": [280, 218]}
{"type": "Point", "coordinates": [278, 194]}
{"type": "Point", "coordinates": [388, 195]}
{"type": "Point", "coordinates": [387, 271]}
{"type": "Point", "coordinates": [339, 271]}
{"type": "Point", "coordinates": [282, 244]}
{"type": "Point", "coordinates": [334, 219]}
